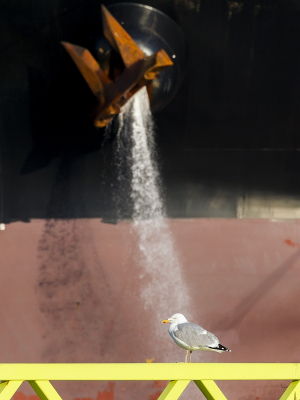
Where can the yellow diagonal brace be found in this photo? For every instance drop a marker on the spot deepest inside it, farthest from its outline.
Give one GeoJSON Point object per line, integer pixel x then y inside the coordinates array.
{"type": "Point", "coordinates": [8, 389]}
{"type": "Point", "coordinates": [210, 390]}
{"type": "Point", "coordinates": [44, 390]}
{"type": "Point", "coordinates": [174, 390]}
{"type": "Point", "coordinates": [292, 392]}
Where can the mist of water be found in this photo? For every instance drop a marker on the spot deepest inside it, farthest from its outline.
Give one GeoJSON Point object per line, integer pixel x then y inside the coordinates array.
{"type": "Point", "coordinates": [163, 288]}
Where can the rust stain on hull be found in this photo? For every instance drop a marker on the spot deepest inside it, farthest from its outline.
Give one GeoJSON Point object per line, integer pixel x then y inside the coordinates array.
{"type": "Point", "coordinates": [106, 394]}
{"type": "Point", "coordinates": [79, 316]}
{"type": "Point", "coordinates": [21, 396]}
{"type": "Point", "coordinates": [292, 244]}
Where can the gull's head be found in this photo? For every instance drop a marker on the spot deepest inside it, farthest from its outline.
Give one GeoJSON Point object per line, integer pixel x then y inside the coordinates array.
{"type": "Point", "coordinates": [175, 319]}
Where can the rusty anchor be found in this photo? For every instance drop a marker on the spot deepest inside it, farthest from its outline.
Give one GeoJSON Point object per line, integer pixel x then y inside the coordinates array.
{"type": "Point", "coordinates": [111, 86]}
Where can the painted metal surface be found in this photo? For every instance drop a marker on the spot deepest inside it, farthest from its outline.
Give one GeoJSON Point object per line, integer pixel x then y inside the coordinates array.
{"type": "Point", "coordinates": [180, 375]}
{"type": "Point", "coordinates": [8, 388]}
{"type": "Point", "coordinates": [210, 390]}
{"type": "Point", "coordinates": [149, 371]}
{"type": "Point", "coordinates": [72, 293]}
{"type": "Point", "coordinates": [243, 76]}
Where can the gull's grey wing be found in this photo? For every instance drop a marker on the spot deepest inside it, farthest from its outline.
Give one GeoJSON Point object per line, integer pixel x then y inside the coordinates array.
{"type": "Point", "coordinates": [195, 336]}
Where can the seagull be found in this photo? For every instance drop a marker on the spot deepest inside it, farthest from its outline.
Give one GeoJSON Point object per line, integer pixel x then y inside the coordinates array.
{"type": "Point", "coordinates": [191, 336]}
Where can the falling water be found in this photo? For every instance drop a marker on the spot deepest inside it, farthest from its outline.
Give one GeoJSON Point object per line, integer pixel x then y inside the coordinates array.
{"type": "Point", "coordinates": [163, 287]}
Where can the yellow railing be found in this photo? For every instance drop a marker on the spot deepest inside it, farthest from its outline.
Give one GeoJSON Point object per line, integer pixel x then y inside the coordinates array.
{"type": "Point", "coordinates": [179, 375]}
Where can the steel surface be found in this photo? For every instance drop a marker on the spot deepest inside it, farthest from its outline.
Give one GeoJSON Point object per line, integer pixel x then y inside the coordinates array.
{"type": "Point", "coordinates": [292, 392]}
{"type": "Point", "coordinates": [44, 390]}
{"type": "Point", "coordinates": [210, 390]}
{"type": "Point", "coordinates": [174, 390]}
{"type": "Point", "coordinates": [151, 371]}
{"type": "Point", "coordinates": [251, 306]}
{"type": "Point", "coordinates": [8, 388]}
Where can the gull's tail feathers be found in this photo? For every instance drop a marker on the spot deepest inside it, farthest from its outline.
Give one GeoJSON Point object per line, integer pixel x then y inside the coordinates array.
{"type": "Point", "coordinates": [220, 348]}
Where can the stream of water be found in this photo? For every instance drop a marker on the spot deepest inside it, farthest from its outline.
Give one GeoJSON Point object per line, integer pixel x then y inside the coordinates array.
{"type": "Point", "coordinates": [163, 288]}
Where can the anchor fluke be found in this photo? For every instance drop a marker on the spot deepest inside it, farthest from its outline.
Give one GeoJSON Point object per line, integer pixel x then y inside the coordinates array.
{"type": "Point", "coordinates": [113, 88]}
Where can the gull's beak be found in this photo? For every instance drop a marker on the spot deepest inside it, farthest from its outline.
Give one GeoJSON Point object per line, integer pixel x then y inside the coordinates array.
{"type": "Point", "coordinates": [165, 321]}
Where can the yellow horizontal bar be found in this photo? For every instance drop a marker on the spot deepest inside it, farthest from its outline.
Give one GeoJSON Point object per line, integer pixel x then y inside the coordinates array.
{"type": "Point", "coordinates": [150, 371]}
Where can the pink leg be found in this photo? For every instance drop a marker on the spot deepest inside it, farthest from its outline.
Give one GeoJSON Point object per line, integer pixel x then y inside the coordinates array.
{"type": "Point", "coordinates": [186, 354]}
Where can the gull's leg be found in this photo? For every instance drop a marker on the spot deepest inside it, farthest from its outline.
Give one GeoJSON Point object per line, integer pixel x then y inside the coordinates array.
{"type": "Point", "coordinates": [186, 354]}
{"type": "Point", "coordinates": [191, 356]}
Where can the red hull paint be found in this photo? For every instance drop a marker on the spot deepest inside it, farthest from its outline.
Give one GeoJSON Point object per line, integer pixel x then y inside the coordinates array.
{"type": "Point", "coordinates": [70, 292]}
